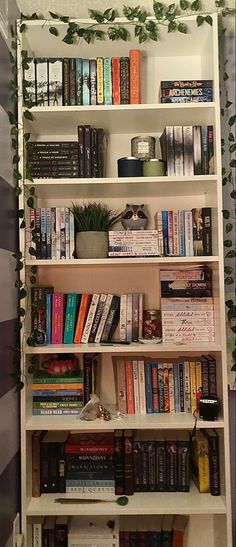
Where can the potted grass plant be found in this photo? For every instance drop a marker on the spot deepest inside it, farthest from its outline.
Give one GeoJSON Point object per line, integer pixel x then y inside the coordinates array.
{"type": "Point", "coordinates": [92, 223]}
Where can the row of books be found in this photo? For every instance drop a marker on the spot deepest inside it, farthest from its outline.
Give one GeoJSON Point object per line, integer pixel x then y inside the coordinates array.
{"type": "Point", "coordinates": [184, 232]}
{"type": "Point", "coordinates": [100, 531]}
{"type": "Point", "coordinates": [52, 233]}
{"type": "Point", "coordinates": [70, 81]}
{"type": "Point", "coordinates": [85, 158]}
{"type": "Point", "coordinates": [124, 462]}
{"type": "Point", "coordinates": [188, 150]}
{"type": "Point", "coordinates": [187, 306]}
{"type": "Point", "coordinates": [83, 318]}
{"type": "Point", "coordinates": [186, 91]}
{"type": "Point", "coordinates": [148, 386]}
{"type": "Point", "coordinates": [61, 387]}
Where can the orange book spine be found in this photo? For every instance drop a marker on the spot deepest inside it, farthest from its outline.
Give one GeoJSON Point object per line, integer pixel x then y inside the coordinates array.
{"type": "Point", "coordinates": [116, 80]}
{"type": "Point", "coordinates": [135, 94]}
{"type": "Point", "coordinates": [178, 538]}
{"type": "Point", "coordinates": [49, 387]}
{"type": "Point", "coordinates": [129, 387]}
{"type": "Point", "coordinates": [83, 310]}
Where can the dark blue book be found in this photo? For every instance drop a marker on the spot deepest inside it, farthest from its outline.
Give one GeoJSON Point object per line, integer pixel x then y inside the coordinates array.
{"type": "Point", "coordinates": [148, 387]}
{"type": "Point", "coordinates": [165, 231]}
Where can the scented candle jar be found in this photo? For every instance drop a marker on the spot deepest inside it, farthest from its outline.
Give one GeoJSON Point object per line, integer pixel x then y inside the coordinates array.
{"type": "Point", "coordinates": [152, 324]}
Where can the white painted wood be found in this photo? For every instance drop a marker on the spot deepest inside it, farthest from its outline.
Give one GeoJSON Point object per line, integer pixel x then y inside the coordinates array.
{"type": "Point", "coordinates": [174, 57]}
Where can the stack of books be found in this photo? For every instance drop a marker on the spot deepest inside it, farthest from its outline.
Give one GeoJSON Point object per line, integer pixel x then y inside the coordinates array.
{"type": "Point", "coordinates": [187, 306]}
{"type": "Point", "coordinates": [90, 463]}
{"type": "Point", "coordinates": [184, 232]}
{"type": "Point", "coordinates": [186, 91]}
{"type": "Point", "coordinates": [84, 318]}
{"type": "Point", "coordinates": [93, 532]}
{"type": "Point", "coordinates": [70, 81]}
{"type": "Point", "coordinates": [52, 233]}
{"type": "Point", "coordinates": [58, 393]}
{"type": "Point", "coordinates": [133, 243]}
{"type": "Point", "coordinates": [145, 386]}
{"type": "Point", "coordinates": [53, 159]}
{"type": "Point", "coordinates": [188, 150]}
{"type": "Point", "coordinates": [158, 531]}
{"type": "Point", "coordinates": [49, 531]}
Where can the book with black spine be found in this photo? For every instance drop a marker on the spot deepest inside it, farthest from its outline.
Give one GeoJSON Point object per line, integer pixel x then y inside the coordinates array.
{"type": "Point", "coordinates": [204, 142]}
{"type": "Point", "coordinates": [161, 475]}
{"type": "Point", "coordinates": [93, 81]}
{"type": "Point", "coordinates": [112, 319]}
{"type": "Point", "coordinates": [124, 80]}
{"type": "Point", "coordinates": [207, 231]}
{"type": "Point", "coordinates": [119, 462]}
{"type": "Point", "coordinates": [55, 82]}
{"type": "Point", "coordinates": [94, 152]}
{"type": "Point", "coordinates": [81, 151]}
{"type": "Point", "coordinates": [210, 149]}
{"type": "Point", "coordinates": [66, 82]}
{"type": "Point", "coordinates": [214, 460]}
{"type": "Point", "coordinates": [171, 466]}
{"type": "Point", "coordinates": [178, 150]}
{"type": "Point", "coordinates": [101, 152]}
{"type": "Point", "coordinates": [183, 458]}
{"type": "Point", "coordinates": [97, 317]}
{"type": "Point", "coordinates": [72, 80]}
{"type": "Point", "coordinates": [188, 150]}
{"type": "Point", "coordinates": [197, 150]}
{"type": "Point", "coordinates": [128, 463]}
{"type": "Point", "coordinates": [87, 152]}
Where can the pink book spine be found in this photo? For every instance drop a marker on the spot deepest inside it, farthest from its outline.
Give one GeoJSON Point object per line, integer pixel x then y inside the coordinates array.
{"type": "Point", "coordinates": [57, 318]}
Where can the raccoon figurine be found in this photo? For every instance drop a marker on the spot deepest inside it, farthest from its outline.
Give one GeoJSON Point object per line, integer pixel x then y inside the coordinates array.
{"type": "Point", "coordinates": [134, 217]}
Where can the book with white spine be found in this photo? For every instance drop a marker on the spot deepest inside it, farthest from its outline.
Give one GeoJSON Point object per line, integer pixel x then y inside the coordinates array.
{"type": "Point", "coordinates": [58, 231]}
{"type": "Point", "coordinates": [142, 391]}
{"type": "Point", "coordinates": [72, 235]}
{"type": "Point", "coordinates": [136, 387]}
{"type": "Point", "coordinates": [123, 311]}
{"type": "Point", "coordinates": [90, 318]}
{"type": "Point", "coordinates": [103, 318]}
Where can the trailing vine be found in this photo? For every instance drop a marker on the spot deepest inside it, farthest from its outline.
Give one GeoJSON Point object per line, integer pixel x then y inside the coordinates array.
{"type": "Point", "coordinates": [145, 26]}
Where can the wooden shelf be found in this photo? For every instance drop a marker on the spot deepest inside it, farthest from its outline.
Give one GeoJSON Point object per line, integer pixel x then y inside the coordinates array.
{"type": "Point", "coordinates": [123, 187]}
{"type": "Point", "coordinates": [190, 503]}
{"type": "Point", "coordinates": [135, 118]}
{"type": "Point", "coordinates": [142, 422]}
{"type": "Point", "coordinates": [134, 347]}
{"type": "Point", "coordinates": [165, 261]}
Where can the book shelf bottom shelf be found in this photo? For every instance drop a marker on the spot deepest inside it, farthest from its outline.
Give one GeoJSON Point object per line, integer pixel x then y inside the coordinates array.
{"type": "Point", "coordinates": [156, 503]}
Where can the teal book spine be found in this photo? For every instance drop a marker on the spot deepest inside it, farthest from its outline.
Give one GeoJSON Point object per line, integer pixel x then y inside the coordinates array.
{"type": "Point", "coordinates": [107, 80]}
{"type": "Point", "coordinates": [71, 307]}
{"type": "Point", "coordinates": [86, 86]}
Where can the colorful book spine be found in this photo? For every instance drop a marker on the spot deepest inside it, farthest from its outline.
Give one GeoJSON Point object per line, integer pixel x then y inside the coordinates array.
{"type": "Point", "coordinates": [57, 318]}
{"type": "Point", "coordinates": [171, 388]}
{"type": "Point", "coordinates": [100, 82]}
{"type": "Point", "coordinates": [107, 80]}
{"type": "Point", "coordinates": [192, 368]}
{"type": "Point", "coordinates": [118, 463]}
{"type": "Point", "coordinates": [116, 80]}
{"type": "Point", "coordinates": [135, 94]}
{"type": "Point", "coordinates": [129, 387]}
{"type": "Point", "coordinates": [136, 387]}
{"type": "Point", "coordinates": [161, 387]}
{"type": "Point", "coordinates": [84, 305]}
{"type": "Point", "coordinates": [148, 387]}
{"type": "Point", "coordinates": [72, 235]}
{"type": "Point", "coordinates": [67, 231]}
{"type": "Point", "coordinates": [155, 395]}
{"type": "Point", "coordinates": [93, 81]}
{"type": "Point", "coordinates": [86, 84]}
{"type": "Point", "coordinates": [142, 391]}
{"type": "Point", "coordinates": [79, 81]}
{"type": "Point", "coordinates": [49, 317]}
{"type": "Point", "coordinates": [62, 233]}
{"type": "Point", "coordinates": [70, 318]}
{"type": "Point", "coordinates": [90, 318]}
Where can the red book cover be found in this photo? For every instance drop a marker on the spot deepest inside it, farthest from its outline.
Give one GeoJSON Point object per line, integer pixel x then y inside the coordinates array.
{"type": "Point", "coordinates": [116, 80]}
{"type": "Point", "coordinates": [178, 538]}
{"type": "Point", "coordinates": [82, 315]}
{"type": "Point", "coordinates": [155, 387]}
{"type": "Point", "coordinates": [129, 387]}
{"type": "Point", "coordinates": [135, 94]}
{"type": "Point", "coordinates": [57, 318]}
{"type": "Point", "coordinates": [166, 388]}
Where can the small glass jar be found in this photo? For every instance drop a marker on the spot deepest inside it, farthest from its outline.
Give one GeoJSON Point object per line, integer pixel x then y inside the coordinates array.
{"type": "Point", "coordinates": [152, 324]}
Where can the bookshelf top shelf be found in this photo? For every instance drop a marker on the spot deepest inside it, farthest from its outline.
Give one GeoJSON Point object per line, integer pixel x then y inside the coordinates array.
{"type": "Point", "coordinates": [138, 421]}
{"type": "Point", "coordinates": [162, 261]}
{"type": "Point", "coordinates": [140, 118]}
{"type": "Point", "coordinates": [190, 503]}
{"type": "Point", "coordinates": [134, 347]}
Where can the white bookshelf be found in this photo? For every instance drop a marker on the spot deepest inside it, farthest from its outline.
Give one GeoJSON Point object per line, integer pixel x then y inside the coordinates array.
{"type": "Point", "coordinates": [176, 56]}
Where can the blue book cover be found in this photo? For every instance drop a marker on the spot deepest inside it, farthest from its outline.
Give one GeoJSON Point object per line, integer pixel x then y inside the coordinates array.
{"type": "Point", "coordinates": [154, 539]}
{"type": "Point", "coordinates": [79, 81]}
{"type": "Point", "coordinates": [70, 318]}
{"type": "Point", "coordinates": [165, 231]}
{"type": "Point", "coordinates": [49, 317]}
{"type": "Point", "coordinates": [181, 234]}
{"type": "Point", "coordinates": [107, 80]}
{"type": "Point", "coordinates": [176, 387]}
{"type": "Point", "coordinates": [148, 387]}
{"type": "Point", "coordinates": [86, 91]}
{"type": "Point", "coordinates": [161, 387]}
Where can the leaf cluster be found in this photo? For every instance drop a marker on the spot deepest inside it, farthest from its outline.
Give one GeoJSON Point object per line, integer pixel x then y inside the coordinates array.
{"type": "Point", "coordinates": [93, 216]}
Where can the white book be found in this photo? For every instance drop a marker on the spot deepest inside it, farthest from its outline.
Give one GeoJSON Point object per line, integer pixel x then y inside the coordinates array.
{"type": "Point", "coordinates": [142, 392]}
{"type": "Point", "coordinates": [58, 233]}
{"type": "Point", "coordinates": [187, 387]}
{"type": "Point", "coordinates": [72, 235]}
{"type": "Point", "coordinates": [92, 542]}
{"type": "Point", "coordinates": [53, 234]}
{"type": "Point", "coordinates": [140, 316]}
{"type": "Point", "coordinates": [67, 227]}
{"type": "Point", "coordinates": [63, 234]}
{"type": "Point", "coordinates": [171, 387]}
{"type": "Point", "coordinates": [136, 388]}
{"type": "Point", "coordinates": [123, 310]}
{"type": "Point", "coordinates": [90, 318]}
{"type": "Point", "coordinates": [37, 532]}
{"type": "Point", "coordinates": [159, 227]}
{"type": "Point", "coordinates": [176, 233]}
{"type": "Point", "coordinates": [188, 227]}
{"type": "Point", "coordinates": [129, 317]}
{"type": "Point", "coordinates": [93, 527]}
{"type": "Point", "coordinates": [103, 318]}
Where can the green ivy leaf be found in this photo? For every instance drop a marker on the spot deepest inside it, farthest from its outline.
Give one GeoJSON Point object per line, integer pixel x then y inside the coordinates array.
{"type": "Point", "coordinates": [229, 281]}
{"type": "Point", "coordinates": [22, 294]}
{"type": "Point", "coordinates": [17, 255]}
{"type": "Point", "coordinates": [26, 137]}
{"type": "Point", "coordinates": [31, 369]}
{"type": "Point", "coordinates": [219, 3]}
{"type": "Point", "coordinates": [208, 20]}
{"type": "Point", "coordinates": [229, 303]}
{"type": "Point", "coordinates": [19, 266]}
{"type": "Point", "coordinates": [13, 32]}
{"type": "Point", "coordinates": [231, 313]}
{"type": "Point", "coordinates": [33, 280]}
{"type": "Point", "coordinates": [223, 168]}
{"type": "Point", "coordinates": [54, 15]}
{"type": "Point", "coordinates": [12, 118]}
{"type": "Point", "coordinates": [17, 191]}
{"type": "Point", "coordinates": [231, 136]}
{"type": "Point", "coordinates": [34, 269]}
{"type": "Point", "coordinates": [109, 14]}
{"type": "Point", "coordinates": [28, 115]}
{"type": "Point", "coordinates": [232, 120]}
{"type": "Point", "coordinates": [34, 359]}
{"type": "Point", "coordinates": [18, 284]}
{"type": "Point", "coordinates": [32, 191]}
{"type": "Point", "coordinates": [225, 76]}
{"type": "Point", "coordinates": [232, 148]}
{"type": "Point", "coordinates": [182, 27]}
{"type": "Point", "coordinates": [170, 12]}
{"type": "Point", "coordinates": [30, 202]}
{"type": "Point", "coordinates": [196, 5]}
{"type": "Point", "coordinates": [226, 213]}
{"type": "Point", "coordinates": [54, 31]}
{"type": "Point", "coordinates": [150, 26]}
{"type": "Point", "coordinates": [64, 19]}
{"type": "Point", "coordinates": [21, 213]}
{"type": "Point", "coordinates": [142, 16]}
{"type": "Point", "coordinates": [31, 341]}
{"type": "Point", "coordinates": [32, 251]}
{"type": "Point", "coordinates": [234, 331]}
{"type": "Point", "coordinates": [184, 4]}
{"type": "Point", "coordinates": [22, 224]}
{"type": "Point", "coordinates": [138, 30]}
{"type": "Point", "coordinates": [14, 131]}
{"type": "Point", "coordinates": [14, 144]}
{"type": "Point", "coordinates": [228, 243]}
{"type": "Point", "coordinates": [23, 27]}
{"type": "Point", "coordinates": [172, 26]}
{"type": "Point", "coordinates": [228, 104]}
{"type": "Point", "coordinates": [234, 354]}
{"type": "Point", "coordinates": [123, 33]}
{"type": "Point", "coordinates": [230, 254]}
{"type": "Point", "coordinates": [96, 15]}
{"type": "Point", "coordinates": [224, 181]}
{"type": "Point", "coordinates": [158, 9]}
{"type": "Point", "coordinates": [200, 20]}
{"type": "Point", "coordinates": [229, 227]}
{"type": "Point", "coordinates": [153, 35]}
{"type": "Point", "coordinates": [232, 163]}
{"type": "Point", "coordinates": [113, 33]}
{"type": "Point", "coordinates": [143, 37]}
{"type": "Point", "coordinates": [68, 39]}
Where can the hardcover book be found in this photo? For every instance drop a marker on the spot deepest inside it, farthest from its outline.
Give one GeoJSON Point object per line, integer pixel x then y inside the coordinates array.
{"type": "Point", "coordinates": [55, 80]}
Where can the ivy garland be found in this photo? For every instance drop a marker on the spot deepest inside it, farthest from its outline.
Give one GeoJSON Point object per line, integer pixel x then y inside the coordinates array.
{"type": "Point", "coordinates": [145, 26]}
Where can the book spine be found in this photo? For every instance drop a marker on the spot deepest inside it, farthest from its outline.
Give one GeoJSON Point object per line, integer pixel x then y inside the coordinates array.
{"type": "Point", "coordinates": [135, 317]}
{"type": "Point", "coordinates": [181, 234]}
{"type": "Point", "coordinates": [155, 396]}
{"type": "Point", "coordinates": [148, 386]}
{"type": "Point", "coordinates": [32, 229]}
{"type": "Point", "coordinates": [94, 152]}
{"type": "Point", "coordinates": [214, 464]}
{"type": "Point", "coordinates": [128, 464]}
{"type": "Point", "coordinates": [176, 387]}
{"type": "Point", "coordinates": [142, 389]}
{"type": "Point", "coordinates": [204, 152]}
{"type": "Point", "coordinates": [212, 376]}
{"type": "Point", "coordinates": [85, 86]}
{"type": "Point", "coordinates": [136, 388]}
{"type": "Point", "coordinates": [67, 231]}
{"type": "Point", "coordinates": [161, 387]}
{"type": "Point", "coordinates": [81, 151]}
{"type": "Point", "coordinates": [169, 136]}
{"type": "Point", "coordinates": [187, 388]}
{"type": "Point", "coordinates": [87, 150]}
{"type": "Point", "coordinates": [79, 81]}
{"type": "Point", "coordinates": [160, 232]}
{"type": "Point", "coordinates": [205, 377]}
{"type": "Point", "coordinates": [90, 318]}
{"type": "Point", "coordinates": [97, 317]}
{"type": "Point", "coordinates": [100, 83]}
{"type": "Point", "coordinates": [62, 234]}
{"type": "Point", "coordinates": [88, 377]}
{"type": "Point", "coordinates": [188, 229]}
{"type": "Point", "coordinates": [197, 147]}
{"type": "Point", "coordinates": [151, 466]}
{"type": "Point", "coordinates": [181, 386]}
{"type": "Point", "coordinates": [103, 318]}
{"type": "Point", "coordinates": [123, 308]}
{"type": "Point", "coordinates": [161, 466]}
{"type": "Point", "coordinates": [188, 84]}
{"type": "Point", "coordinates": [101, 152]}
{"type": "Point", "coordinates": [140, 316]}
{"type": "Point", "coordinates": [198, 381]}
{"type": "Point", "coordinates": [170, 233]}
{"type": "Point", "coordinates": [165, 231]}
{"type": "Point", "coordinates": [176, 233]}
{"type": "Point", "coordinates": [183, 459]}
{"type": "Point", "coordinates": [171, 388]}
{"type": "Point", "coordinates": [116, 80]}
{"type": "Point", "coordinates": [118, 463]}
{"type": "Point", "coordinates": [53, 233]}
{"type": "Point", "coordinates": [36, 492]}
{"type": "Point", "coordinates": [179, 152]}
{"type": "Point", "coordinates": [93, 81]}
{"type": "Point", "coordinates": [112, 319]}
{"type": "Point", "coordinates": [137, 455]}
{"type": "Point", "coordinates": [129, 387]}
{"type": "Point", "coordinates": [145, 470]}
{"type": "Point", "coordinates": [121, 386]}
{"type": "Point", "coordinates": [124, 80]}
{"type": "Point", "coordinates": [135, 97]}
{"type": "Point", "coordinates": [58, 233]}
{"type": "Point", "coordinates": [38, 232]}
{"type": "Point", "coordinates": [188, 150]}
{"type": "Point", "coordinates": [166, 387]}
{"type": "Point", "coordinates": [129, 317]}
{"type": "Point", "coordinates": [30, 78]}
{"type": "Point", "coordinates": [192, 368]}
{"type": "Point", "coordinates": [72, 235]}
{"type": "Point", "coordinates": [71, 306]}
{"type": "Point", "coordinates": [55, 82]}
{"type": "Point", "coordinates": [210, 149]}
{"type": "Point", "coordinates": [84, 304]}
{"type": "Point", "coordinates": [107, 80]}
{"type": "Point", "coordinates": [41, 82]}
{"type": "Point", "coordinates": [37, 534]}
{"type": "Point", "coordinates": [73, 81]}
{"type": "Point", "coordinates": [49, 317]}
{"type": "Point", "coordinates": [171, 466]}
{"type": "Point", "coordinates": [207, 231]}
{"type": "Point", "coordinates": [43, 233]}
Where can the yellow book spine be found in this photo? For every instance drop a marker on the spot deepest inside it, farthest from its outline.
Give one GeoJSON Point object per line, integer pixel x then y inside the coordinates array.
{"type": "Point", "coordinates": [192, 367]}
{"type": "Point", "coordinates": [203, 467]}
{"type": "Point", "coordinates": [100, 82]}
{"type": "Point", "coordinates": [198, 378]}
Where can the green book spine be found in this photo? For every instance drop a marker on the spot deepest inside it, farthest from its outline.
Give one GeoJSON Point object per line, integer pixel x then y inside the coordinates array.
{"type": "Point", "coordinates": [107, 80]}
{"type": "Point", "coordinates": [71, 307]}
